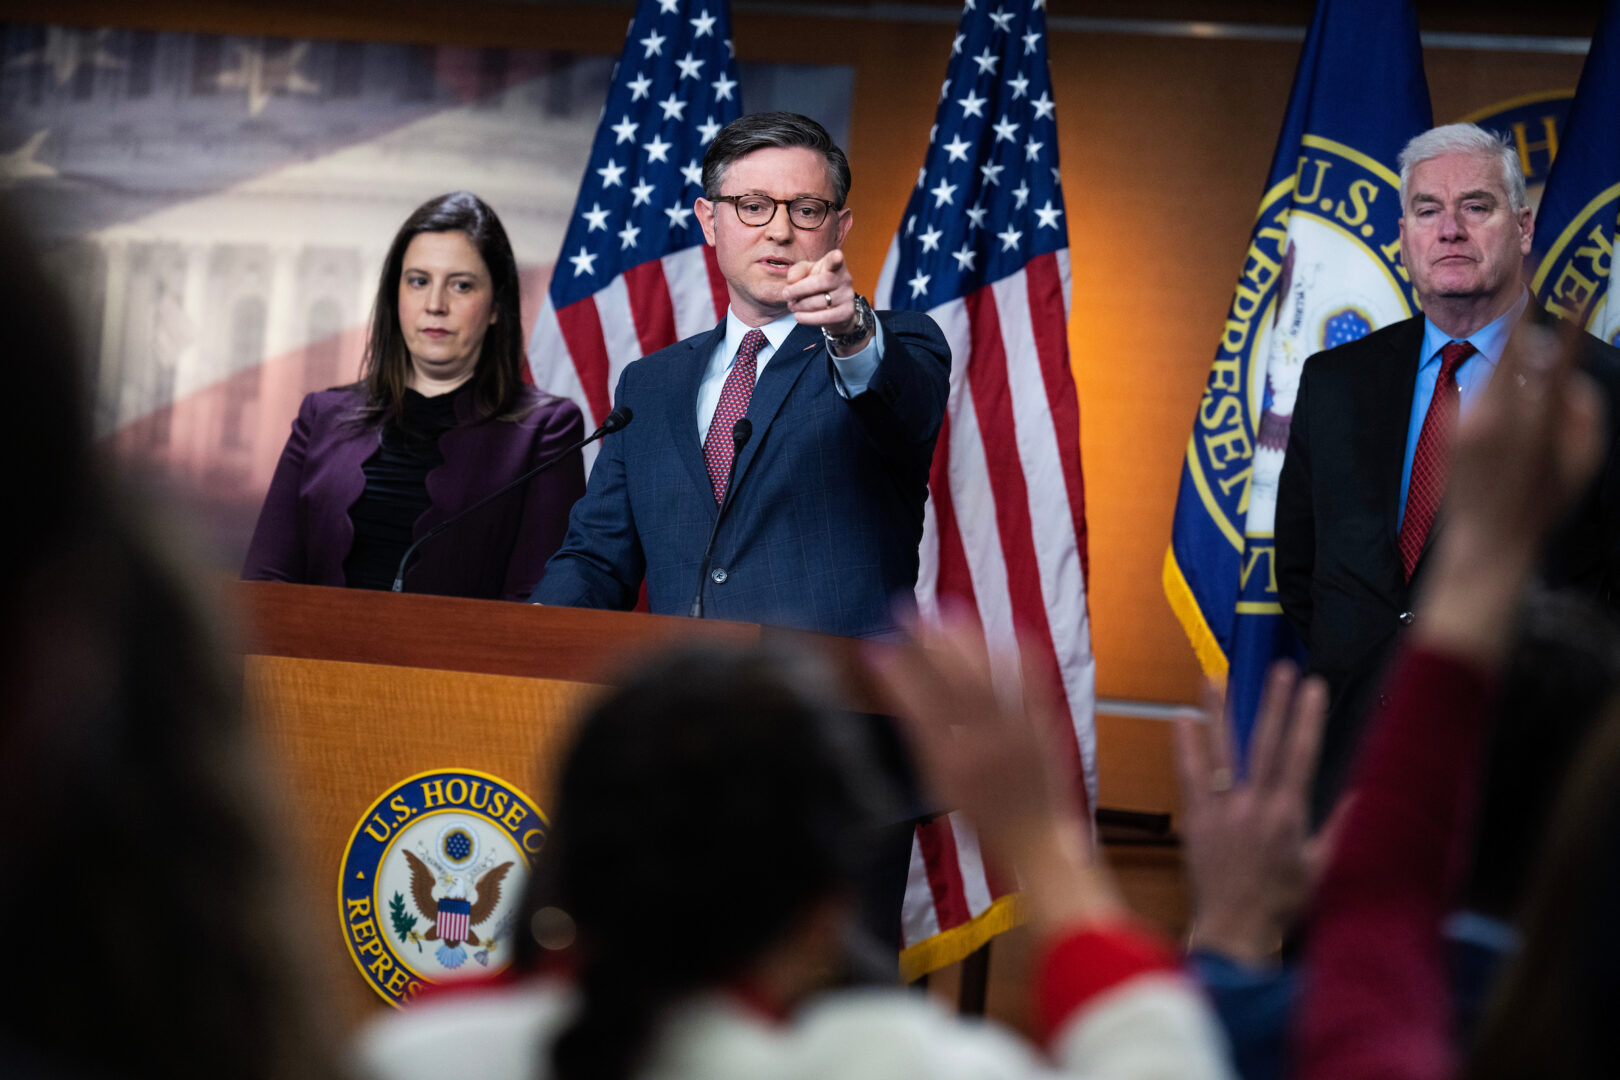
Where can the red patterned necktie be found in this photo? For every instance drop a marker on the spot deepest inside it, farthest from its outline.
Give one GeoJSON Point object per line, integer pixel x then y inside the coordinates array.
{"type": "Point", "coordinates": [1429, 463]}
{"type": "Point", "coordinates": [734, 396]}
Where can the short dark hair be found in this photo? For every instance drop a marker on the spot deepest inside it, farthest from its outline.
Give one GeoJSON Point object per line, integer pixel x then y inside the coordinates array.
{"type": "Point", "coordinates": [784, 130]}
{"type": "Point", "coordinates": [498, 378]}
{"type": "Point", "coordinates": [720, 789]}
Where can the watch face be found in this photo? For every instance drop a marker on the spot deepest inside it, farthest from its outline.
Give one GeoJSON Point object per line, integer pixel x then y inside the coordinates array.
{"type": "Point", "coordinates": [865, 323]}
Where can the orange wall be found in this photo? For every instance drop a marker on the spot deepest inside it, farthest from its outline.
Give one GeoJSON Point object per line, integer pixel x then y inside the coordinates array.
{"type": "Point", "coordinates": [1165, 144]}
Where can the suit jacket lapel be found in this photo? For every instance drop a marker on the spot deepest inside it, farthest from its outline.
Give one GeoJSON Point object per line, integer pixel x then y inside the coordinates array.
{"type": "Point", "coordinates": [781, 373]}
{"type": "Point", "coordinates": [682, 419]}
{"type": "Point", "coordinates": [1395, 379]}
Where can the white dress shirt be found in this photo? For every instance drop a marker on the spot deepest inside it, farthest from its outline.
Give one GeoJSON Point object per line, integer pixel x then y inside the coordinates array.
{"type": "Point", "coordinates": [851, 373]}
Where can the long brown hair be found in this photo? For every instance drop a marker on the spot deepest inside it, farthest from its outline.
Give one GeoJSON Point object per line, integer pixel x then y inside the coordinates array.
{"type": "Point", "coordinates": [497, 381]}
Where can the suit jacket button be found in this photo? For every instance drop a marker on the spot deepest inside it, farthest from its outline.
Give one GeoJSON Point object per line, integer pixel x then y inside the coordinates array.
{"type": "Point", "coordinates": [718, 575]}
{"type": "Point", "coordinates": [1407, 618]}
{"type": "Point", "coordinates": [1383, 701]}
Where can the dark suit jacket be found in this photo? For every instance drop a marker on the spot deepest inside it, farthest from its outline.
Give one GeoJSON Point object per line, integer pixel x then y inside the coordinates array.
{"type": "Point", "coordinates": [1339, 575]}
{"type": "Point", "coordinates": [826, 508]}
{"type": "Point", "coordinates": [304, 531]}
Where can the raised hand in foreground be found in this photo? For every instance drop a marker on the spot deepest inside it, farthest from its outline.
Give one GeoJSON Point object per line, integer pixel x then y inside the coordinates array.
{"type": "Point", "coordinates": [1251, 859]}
{"type": "Point", "coordinates": [984, 732]}
{"type": "Point", "coordinates": [1378, 996]}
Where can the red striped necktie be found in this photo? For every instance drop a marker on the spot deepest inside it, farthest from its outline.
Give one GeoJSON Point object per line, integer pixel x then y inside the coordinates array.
{"type": "Point", "coordinates": [734, 397]}
{"type": "Point", "coordinates": [1433, 455]}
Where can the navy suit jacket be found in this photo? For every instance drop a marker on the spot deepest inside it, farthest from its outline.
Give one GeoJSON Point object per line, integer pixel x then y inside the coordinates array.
{"type": "Point", "coordinates": [1339, 574]}
{"type": "Point", "coordinates": [826, 508]}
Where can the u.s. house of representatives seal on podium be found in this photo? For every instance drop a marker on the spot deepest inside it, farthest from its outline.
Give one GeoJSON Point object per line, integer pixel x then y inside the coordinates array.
{"type": "Point", "coordinates": [433, 877]}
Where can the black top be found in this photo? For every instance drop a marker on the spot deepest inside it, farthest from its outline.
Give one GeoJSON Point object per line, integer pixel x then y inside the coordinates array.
{"type": "Point", "coordinates": [396, 488]}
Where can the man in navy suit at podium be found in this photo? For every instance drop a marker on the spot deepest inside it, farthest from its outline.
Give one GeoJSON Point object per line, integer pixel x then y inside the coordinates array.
{"type": "Point", "coordinates": [815, 503]}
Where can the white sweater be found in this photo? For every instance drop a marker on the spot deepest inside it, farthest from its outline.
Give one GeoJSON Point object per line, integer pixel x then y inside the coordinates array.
{"type": "Point", "coordinates": [1146, 1024]}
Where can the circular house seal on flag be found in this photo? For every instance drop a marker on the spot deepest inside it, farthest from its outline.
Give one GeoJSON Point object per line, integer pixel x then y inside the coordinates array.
{"type": "Point", "coordinates": [432, 878]}
{"type": "Point", "coordinates": [1574, 277]}
{"type": "Point", "coordinates": [1323, 268]}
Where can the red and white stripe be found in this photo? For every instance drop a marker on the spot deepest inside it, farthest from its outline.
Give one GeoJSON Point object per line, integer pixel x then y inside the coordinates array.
{"type": "Point", "coordinates": [452, 925]}
{"type": "Point", "coordinates": [579, 351]}
{"type": "Point", "coordinates": [1005, 534]}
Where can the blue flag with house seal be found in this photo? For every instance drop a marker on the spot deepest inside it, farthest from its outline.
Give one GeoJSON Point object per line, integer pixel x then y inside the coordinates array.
{"type": "Point", "coordinates": [1323, 268]}
{"type": "Point", "coordinates": [1576, 224]}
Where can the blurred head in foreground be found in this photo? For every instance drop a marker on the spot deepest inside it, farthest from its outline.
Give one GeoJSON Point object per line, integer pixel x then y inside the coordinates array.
{"type": "Point", "coordinates": [148, 920]}
{"type": "Point", "coordinates": [712, 819]}
{"type": "Point", "coordinates": [1561, 675]}
{"type": "Point", "coordinates": [1552, 1015]}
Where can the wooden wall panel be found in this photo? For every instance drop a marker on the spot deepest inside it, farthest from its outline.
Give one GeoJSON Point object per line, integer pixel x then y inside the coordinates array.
{"type": "Point", "coordinates": [1464, 81]}
{"type": "Point", "coordinates": [1136, 765]}
{"type": "Point", "coordinates": [1163, 174]}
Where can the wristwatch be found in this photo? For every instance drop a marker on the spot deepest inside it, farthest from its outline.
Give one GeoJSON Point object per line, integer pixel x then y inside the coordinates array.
{"type": "Point", "coordinates": [865, 322]}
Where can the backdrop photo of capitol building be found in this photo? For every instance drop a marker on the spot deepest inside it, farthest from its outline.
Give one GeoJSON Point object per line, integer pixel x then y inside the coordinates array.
{"type": "Point", "coordinates": [218, 208]}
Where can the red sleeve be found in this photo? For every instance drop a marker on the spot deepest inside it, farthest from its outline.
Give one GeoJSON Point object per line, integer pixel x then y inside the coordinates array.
{"type": "Point", "coordinates": [1376, 997]}
{"type": "Point", "coordinates": [1076, 967]}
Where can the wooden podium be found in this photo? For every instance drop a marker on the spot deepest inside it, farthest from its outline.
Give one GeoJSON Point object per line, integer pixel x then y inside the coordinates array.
{"type": "Point", "coordinates": [354, 691]}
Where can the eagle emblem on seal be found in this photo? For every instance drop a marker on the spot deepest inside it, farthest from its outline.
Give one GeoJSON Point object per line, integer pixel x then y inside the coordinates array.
{"type": "Point", "coordinates": [463, 905]}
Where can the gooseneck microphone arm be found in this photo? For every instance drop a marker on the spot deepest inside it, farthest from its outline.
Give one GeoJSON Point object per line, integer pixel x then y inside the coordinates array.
{"type": "Point", "coordinates": [741, 432]}
{"type": "Point", "coordinates": [616, 420]}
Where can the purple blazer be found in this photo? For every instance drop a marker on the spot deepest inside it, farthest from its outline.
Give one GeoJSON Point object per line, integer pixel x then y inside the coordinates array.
{"type": "Point", "coordinates": [304, 532]}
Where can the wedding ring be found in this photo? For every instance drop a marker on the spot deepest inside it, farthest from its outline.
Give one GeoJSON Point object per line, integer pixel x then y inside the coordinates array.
{"type": "Point", "coordinates": [1220, 781]}
{"type": "Point", "coordinates": [829, 299]}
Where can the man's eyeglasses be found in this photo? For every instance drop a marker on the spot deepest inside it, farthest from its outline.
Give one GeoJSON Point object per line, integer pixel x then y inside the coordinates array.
{"type": "Point", "coordinates": [804, 212]}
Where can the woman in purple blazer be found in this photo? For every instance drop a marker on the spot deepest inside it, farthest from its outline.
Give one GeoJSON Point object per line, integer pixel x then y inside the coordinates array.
{"type": "Point", "coordinates": [440, 418]}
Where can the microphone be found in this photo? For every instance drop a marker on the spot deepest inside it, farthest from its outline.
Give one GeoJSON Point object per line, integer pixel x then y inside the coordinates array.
{"type": "Point", "coordinates": [741, 432]}
{"type": "Point", "coordinates": [617, 420]}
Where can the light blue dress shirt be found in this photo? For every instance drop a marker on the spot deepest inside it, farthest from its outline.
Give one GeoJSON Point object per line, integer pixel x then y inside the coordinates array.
{"type": "Point", "coordinates": [853, 373]}
{"type": "Point", "coordinates": [1472, 375]}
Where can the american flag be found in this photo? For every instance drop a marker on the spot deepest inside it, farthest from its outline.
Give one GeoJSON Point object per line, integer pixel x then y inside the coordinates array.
{"type": "Point", "coordinates": [634, 274]}
{"type": "Point", "coordinates": [983, 248]}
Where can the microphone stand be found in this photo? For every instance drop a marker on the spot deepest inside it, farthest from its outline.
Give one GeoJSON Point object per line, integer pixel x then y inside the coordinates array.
{"type": "Point", "coordinates": [616, 421]}
{"type": "Point", "coordinates": [741, 432]}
